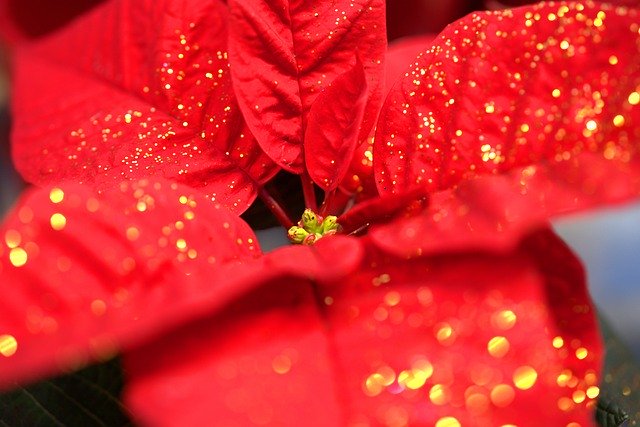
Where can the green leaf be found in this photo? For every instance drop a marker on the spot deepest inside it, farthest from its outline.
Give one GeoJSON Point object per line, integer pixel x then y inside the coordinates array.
{"type": "Point", "coordinates": [619, 399]}
{"type": "Point", "coordinates": [89, 397]}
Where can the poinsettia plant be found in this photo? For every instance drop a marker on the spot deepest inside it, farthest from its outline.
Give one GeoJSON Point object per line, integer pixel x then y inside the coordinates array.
{"type": "Point", "coordinates": [428, 289]}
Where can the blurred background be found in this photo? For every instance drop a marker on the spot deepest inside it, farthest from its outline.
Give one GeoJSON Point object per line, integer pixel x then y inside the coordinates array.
{"type": "Point", "coordinates": [608, 241]}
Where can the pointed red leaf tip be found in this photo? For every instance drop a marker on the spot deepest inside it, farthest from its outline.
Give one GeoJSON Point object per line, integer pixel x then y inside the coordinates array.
{"type": "Point", "coordinates": [284, 53]}
{"type": "Point", "coordinates": [555, 87]}
{"type": "Point", "coordinates": [333, 127]}
{"type": "Point", "coordinates": [470, 339]}
{"type": "Point", "coordinates": [85, 275]}
{"type": "Point", "coordinates": [137, 89]}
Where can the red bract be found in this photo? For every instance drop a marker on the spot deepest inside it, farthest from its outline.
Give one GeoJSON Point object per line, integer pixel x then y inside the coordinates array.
{"type": "Point", "coordinates": [444, 340]}
{"type": "Point", "coordinates": [340, 332]}
{"type": "Point", "coordinates": [137, 89]}
{"type": "Point", "coordinates": [334, 126]}
{"type": "Point", "coordinates": [87, 274]}
{"type": "Point", "coordinates": [287, 52]}
{"type": "Point", "coordinates": [463, 309]}
{"type": "Point", "coordinates": [545, 96]}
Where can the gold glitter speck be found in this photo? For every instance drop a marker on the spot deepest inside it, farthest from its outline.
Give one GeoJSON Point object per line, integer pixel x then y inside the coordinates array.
{"type": "Point", "coordinates": [8, 345]}
{"type": "Point", "coordinates": [498, 346]}
{"type": "Point", "coordinates": [502, 395]}
{"type": "Point", "coordinates": [582, 353]}
{"type": "Point", "coordinates": [58, 221]}
{"type": "Point", "coordinates": [634, 98]}
{"type": "Point", "coordinates": [132, 233]}
{"type": "Point", "coordinates": [374, 384]}
{"type": "Point", "coordinates": [447, 422]}
{"type": "Point", "coordinates": [525, 377]}
{"type": "Point", "coordinates": [593, 392]}
{"type": "Point", "coordinates": [56, 195]}
{"type": "Point", "coordinates": [439, 395]}
{"type": "Point", "coordinates": [558, 342]}
{"type": "Point", "coordinates": [504, 319]}
{"type": "Point", "coordinates": [18, 257]}
{"type": "Point", "coordinates": [12, 238]}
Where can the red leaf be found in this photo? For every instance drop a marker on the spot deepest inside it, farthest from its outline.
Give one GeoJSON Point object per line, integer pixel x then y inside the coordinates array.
{"type": "Point", "coordinates": [334, 124]}
{"type": "Point", "coordinates": [360, 179]}
{"type": "Point", "coordinates": [401, 55]}
{"type": "Point", "coordinates": [552, 86]}
{"type": "Point", "coordinates": [495, 211]}
{"type": "Point", "coordinates": [483, 338]}
{"type": "Point", "coordinates": [86, 275]}
{"type": "Point", "coordinates": [137, 89]}
{"type": "Point", "coordinates": [285, 53]}
{"type": "Point", "coordinates": [382, 209]}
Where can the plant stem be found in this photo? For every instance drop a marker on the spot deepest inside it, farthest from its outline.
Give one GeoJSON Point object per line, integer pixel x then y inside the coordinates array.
{"type": "Point", "coordinates": [335, 202]}
{"type": "Point", "coordinates": [309, 192]}
{"type": "Point", "coordinates": [276, 209]}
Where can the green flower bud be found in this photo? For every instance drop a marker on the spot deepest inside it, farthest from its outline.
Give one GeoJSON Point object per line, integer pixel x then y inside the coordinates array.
{"type": "Point", "coordinates": [310, 222]}
{"type": "Point", "coordinates": [330, 225]}
{"type": "Point", "coordinates": [297, 234]}
{"type": "Point", "coordinates": [312, 228]}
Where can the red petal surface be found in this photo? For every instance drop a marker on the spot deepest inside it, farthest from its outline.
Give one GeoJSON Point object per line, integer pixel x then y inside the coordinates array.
{"type": "Point", "coordinates": [334, 125]}
{"type": "Point", "coordinates": [401, 55]}
{"type": "Point", "coordinates": [284, 53]}
{"type": "Point", "coordinates": [495, 211]}
{"type": "Point", "coordinates": [473, 339]}
{"type": "Point", "coordinates": [555, 86]}
{"type": "Point", "coordinates": [360, 179]}
{"type": "Point", "coordinates": [137, 88]}
{"type": "Point", "coordinates": [84, 275]}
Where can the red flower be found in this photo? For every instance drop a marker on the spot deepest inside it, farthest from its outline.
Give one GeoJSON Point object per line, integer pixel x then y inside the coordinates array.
{"type": "Point", "coordinates": [464, 311]}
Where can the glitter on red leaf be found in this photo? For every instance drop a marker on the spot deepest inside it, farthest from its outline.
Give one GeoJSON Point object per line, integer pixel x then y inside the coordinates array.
{"type": "Point", "coordinates": [85, 275]}
{"type": "Point", "coordinates": [333, 127]}
{"type": "Point", "coordinates": [285, 53]}
{"type": "Point", "coordinates": [475, 104]}
{"type": "Point", "coordinates": [484, 338]}
{"type": "Point", "coordinates": [137, 89]}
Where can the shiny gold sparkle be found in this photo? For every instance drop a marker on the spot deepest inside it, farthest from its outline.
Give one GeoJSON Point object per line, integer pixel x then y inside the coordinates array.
{"type": "Point", "coordinates": [58, 221]}
{"type": "Point", "coordinates": [439, 394]}
{"type": "Point", "coordinates": [498, 346]}
{"type": "Point", "coordinates": [618, 120]}
{"type": "Point", "coordinates": [18, 257]}
{"type": "Point", "coordinates": [447, 422]}
{"type": "Point", "coordinates": [56, 195]}
{"type": "Point", "coordinates": [12, 238]}
{"type": "Point", "coordinates": [504, 319]}
{"type": "Point", "coordinates": [525, 377]}
{"type": "Point", "coordinates": [8, 345]}
{"type": "Point", "coordinates": [558, 342]}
